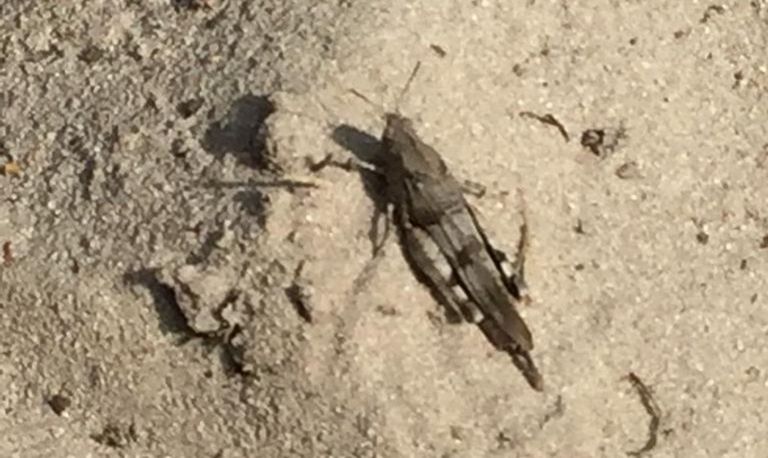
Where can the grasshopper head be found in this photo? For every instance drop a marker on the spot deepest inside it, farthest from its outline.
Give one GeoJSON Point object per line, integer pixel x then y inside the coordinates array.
{"type": "Point", "coordinates": [399, 135]}
{"type": "Point", "coordinates": [411, 154]}
{"type": "Point", "coordinates": [398, 129]}
{"type": "Point", "coordinates": [400, 140]}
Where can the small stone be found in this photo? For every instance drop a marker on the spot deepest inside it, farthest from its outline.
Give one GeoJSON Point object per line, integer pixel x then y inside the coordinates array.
{"type": "Point", "coordinates": [764, 242]}
{"type": "Point", "coordinates": [59, 403]}
{"type": "Point", "coordinates": [11, 168]}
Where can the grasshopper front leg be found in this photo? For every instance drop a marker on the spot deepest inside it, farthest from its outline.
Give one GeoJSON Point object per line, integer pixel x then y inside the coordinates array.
{"type": "Point", "coordinates": [383, 208]}
{"type": "Point", "coordinates": [377, 240]}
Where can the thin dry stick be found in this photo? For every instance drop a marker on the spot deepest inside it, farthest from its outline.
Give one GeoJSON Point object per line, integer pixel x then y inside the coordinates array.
{"type": "Point", "coordinates": [407, 84]}
{"type": "Point", "coordinates": [646, 398]}
{"type": "Point", "coordinates": [548, 119]}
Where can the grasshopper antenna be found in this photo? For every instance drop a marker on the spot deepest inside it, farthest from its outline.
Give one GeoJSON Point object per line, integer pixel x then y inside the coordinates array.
{"type": "Point", "coordinates": [407, 85]}
{"type": "Point", "coordinates": [399, 97]}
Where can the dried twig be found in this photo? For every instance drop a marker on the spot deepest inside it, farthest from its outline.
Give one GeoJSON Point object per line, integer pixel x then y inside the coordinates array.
{"type": "Point", "coordinates": [548, 119]}
{"type": "Point", "coordinates": [438, 50]}
{"type": "Point", "coordinates": [646, 398]}
{"type": "Point", "coordinates": [298, 294]}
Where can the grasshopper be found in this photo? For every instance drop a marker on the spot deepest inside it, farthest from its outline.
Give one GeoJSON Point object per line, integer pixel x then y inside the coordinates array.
{"type": "Point", "coordinates": [446, 245]}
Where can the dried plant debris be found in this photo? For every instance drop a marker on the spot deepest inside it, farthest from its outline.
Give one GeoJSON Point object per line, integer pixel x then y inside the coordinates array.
{"type": "Point", "coordinates": [299, 293]}
{"type": "Point", "coordinates": [438, 50]}
{"type": "Point", "coordinates": [629, 171]}
{"type": "Point", "coordinates": [702, 236]}
{"type": "Point", "coordinates": [387, 310]}
{"type": "Point", "coordinates": [711, 11]}
{"type": "Point", "coordinates": [550, 120]}
{"type": "Point", "coordinates": [650, 405]}
{"type": "Point", "coordinates": [604, 141]}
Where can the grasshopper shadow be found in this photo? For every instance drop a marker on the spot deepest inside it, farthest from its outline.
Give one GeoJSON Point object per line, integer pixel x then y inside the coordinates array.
{"type": "Point", "coordinates": [363, 145]}
{"type": "Point", "coordinates": [239, 132]}
{"type": "Point", "coordinates": [368, 149]}
{"type": "Point", "coordinates": [170, 316]}
{"type": "Point", "coordinates": [173, 321]}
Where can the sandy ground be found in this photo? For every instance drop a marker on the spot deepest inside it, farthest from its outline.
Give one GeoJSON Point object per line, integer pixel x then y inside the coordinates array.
{"type": "Point", "coordinates": [176, 282]}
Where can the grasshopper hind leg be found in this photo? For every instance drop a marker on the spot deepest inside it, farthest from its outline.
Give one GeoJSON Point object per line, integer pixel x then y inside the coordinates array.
{"type": "Point", "coordinates": [521, 358]}
{"type": "Point", "coordinates": [377, 235]}
{"type": "Point", "coordinates": [515, 278]}
{"type": "Point", "coordinates": [428, 261]}
{"type": "Point", "coordinates": [513, 272]}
